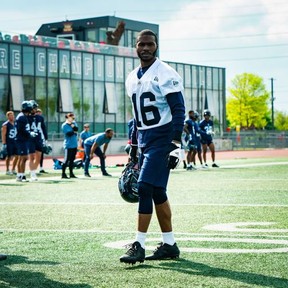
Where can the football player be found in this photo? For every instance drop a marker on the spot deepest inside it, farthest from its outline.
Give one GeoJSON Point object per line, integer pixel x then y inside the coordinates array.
{"type": "Point", "coordinates": [156, 92]}
{"type": "Point", "coordinates": [193, 134]}
{"type": "Point", "coordinates": [206, 126]}
{"type": "Point", "coordinates": [23, 136]}
{"type": "Point", "coordinates": [36, 143]}
{"type": "Point", "coordinates": [92, 145]}
{"type": "Point", "coordinates": [8, 142]}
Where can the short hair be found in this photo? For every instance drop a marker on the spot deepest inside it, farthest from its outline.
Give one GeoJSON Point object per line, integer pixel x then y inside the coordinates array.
{"type": "Point", "coordinates": [69, 115]}
{"type": "Point", "coordinates": [86, 125]}
{"type": "Point", "coordinates": [108, 130]}
{"type": "Point", "coordinates": [147, 32]}
{"type": "Point", "coordinates": [8, 113]}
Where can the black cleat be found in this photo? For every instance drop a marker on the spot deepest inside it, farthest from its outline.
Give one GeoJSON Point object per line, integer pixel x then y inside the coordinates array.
{"type": "Point", "coordinates": [3, 257]}
{"type": "Point", "coordinates": [43, 171]}
{"type": "Point", "coordinates": [107, 174]}
{"type": "Point", "coordinates": [64, 176]}
{"type": "Point", "coordinates": [73, 176]}
{"type": "Point", "coordinates": [164, 251]}
{"type": "Point", "coordinates": [135, 253]}
{"type": "Point", "coordinates": [214, 165]}
{"type": "Point", "coordinates": [87, 175]}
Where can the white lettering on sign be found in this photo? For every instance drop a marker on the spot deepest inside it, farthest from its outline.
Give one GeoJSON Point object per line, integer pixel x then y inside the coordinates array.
{"type": "Point", "coordinates": [99, 69]}
{"type": "Point", "coordinates": [3, 58]}
{"type": "Point", "coordinates": [76, 65]}
{"type": "Point", "coordinates": [16, 60]}
{"type": "Point", "coordinates": [110, 69]}
{"type": "Point", "coordinates": [64, 67]}
{"type": "Point", "coordinates": [53, 63]}
{"type": "Point", "coordinates": [87, 65]}
{"type": "Point", "coordinates": [41, 62]}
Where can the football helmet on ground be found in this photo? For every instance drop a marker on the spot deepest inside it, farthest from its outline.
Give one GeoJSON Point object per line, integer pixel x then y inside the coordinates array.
{"type": "Point", "coordinates": [127, 184]}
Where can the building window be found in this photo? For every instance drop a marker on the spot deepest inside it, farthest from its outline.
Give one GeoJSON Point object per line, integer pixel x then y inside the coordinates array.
{"type": "Point", "coordinates": [66, 104]}
{"type": "Point", "coordinates": [102, 35]}
{"type": "Point", "coordinates": [17, 90]}
{"type": "Point", "coordinates": [110, 101]}
{"type": "Point", "coordinates": [91, 35]}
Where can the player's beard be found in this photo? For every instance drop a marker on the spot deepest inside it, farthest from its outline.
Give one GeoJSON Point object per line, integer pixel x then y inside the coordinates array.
{"type": "Point", "coordinates": [148, 57]}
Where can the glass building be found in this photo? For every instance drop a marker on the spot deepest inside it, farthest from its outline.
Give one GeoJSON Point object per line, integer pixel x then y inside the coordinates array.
{"type": "Point", "coordinates": [87, 76]}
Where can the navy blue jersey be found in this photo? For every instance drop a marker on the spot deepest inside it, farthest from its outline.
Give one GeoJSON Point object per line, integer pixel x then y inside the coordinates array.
{"type": "Point", "coordinates": [194, 130]}
{"type": "Point", "coordinates": [10, 132]}
{"type": "Point", "coordinates": [38, 126]}
{"type": "Point", "coordinates": [130, 128]}
{"type": "Point", "coordinates": [206, 127]}
{"type": "Point", "coordinates": [22, 127]}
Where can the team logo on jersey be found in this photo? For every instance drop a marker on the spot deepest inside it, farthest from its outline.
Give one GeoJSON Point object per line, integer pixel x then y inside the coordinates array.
{"type": "Point", "coordinates": [175, 83]}
{"type": "Point", "coordinates": [156, 79]}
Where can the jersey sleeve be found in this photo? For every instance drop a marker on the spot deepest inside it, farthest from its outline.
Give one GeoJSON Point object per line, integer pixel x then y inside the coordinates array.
{"type": "Point", "coordinates": [171, 82]}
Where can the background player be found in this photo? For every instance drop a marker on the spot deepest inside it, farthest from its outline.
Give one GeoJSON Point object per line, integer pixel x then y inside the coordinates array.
{"type": "Point", "coordinates": [206, 126]}
{"type": "Point", "coordinates": [8, 132]}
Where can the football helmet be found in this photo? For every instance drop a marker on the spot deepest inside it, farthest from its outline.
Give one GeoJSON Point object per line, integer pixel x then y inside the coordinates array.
{"type": "Point", "coordinates": [34, 104]}
{"type": "Point", "coordinates": [3, 152]}
{"type": "Point", "coordinates": [196, 115]}
{"type": "Point", "coordinates": [127, 184]}
{"type": "Point", "coordinates": [206, 112]}
{"type": "Point", "coordinates": [26, 106]}
{"type": "Point", "coordinates": [47, 149]}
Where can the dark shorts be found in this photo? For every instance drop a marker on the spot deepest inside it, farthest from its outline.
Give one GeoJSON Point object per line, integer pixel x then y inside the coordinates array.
{"type": "Point", "coordinates": [12, 149]}
{"type": "Point", "coordinates": [153, 163]}
{"type": "Point", "coordinates": [35, 145]}
{"type": "Point", "coordinates": [198, 146]}
{"type": "Point", "coordinates": [206, 141]}
{"type": "Point", "coordinates": [22, 148]}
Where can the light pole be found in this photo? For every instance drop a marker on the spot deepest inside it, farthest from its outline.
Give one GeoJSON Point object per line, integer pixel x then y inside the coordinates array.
{"type": "Point", "coordinates": [272, 102]}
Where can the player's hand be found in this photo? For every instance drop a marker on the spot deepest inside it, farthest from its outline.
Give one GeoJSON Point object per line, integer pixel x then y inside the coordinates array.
{"type": "Point", "coordinates": [133, 153]}
{"type": "Point", "coordinates": [210, 132]}
{"type": "Point", "coordinates": [33, 134]}
{"type": "Point", "coordinates": [174, 157]}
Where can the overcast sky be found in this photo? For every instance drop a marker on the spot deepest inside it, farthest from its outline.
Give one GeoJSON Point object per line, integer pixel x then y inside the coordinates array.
{"type": "Point", "coordinates": [239, 35]}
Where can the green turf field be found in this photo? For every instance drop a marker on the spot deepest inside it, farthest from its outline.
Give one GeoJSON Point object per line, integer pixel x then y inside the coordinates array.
{"type": "Point", "coordinates": [231, 225]}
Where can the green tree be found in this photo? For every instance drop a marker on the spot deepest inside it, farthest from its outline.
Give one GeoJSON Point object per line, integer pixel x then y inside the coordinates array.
{"type": "Point", "coordinates": [247, 104]}
{"type": "Point", "coordinates": [281, 121]}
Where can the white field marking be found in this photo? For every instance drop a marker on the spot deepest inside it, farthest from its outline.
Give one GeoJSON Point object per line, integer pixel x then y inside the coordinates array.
{"type": "Point", "coordinates": [20, 230]}
{"type": "Point", "coordinates": [238, 227]}
{"type": "Point", "coordinates": [123, 243]}
{"type": "Point", "coordinates": [129, 204]}
{"type": "Point", "coordinates": [254, 165]}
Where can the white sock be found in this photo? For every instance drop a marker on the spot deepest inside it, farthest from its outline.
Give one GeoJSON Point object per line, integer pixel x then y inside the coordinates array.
{"type": "Point", "coordinates": [33, 173]}
{"type": "Point", "coordinates": [168, 238]}
{"type": "Point", "coordinates": [141, 237]}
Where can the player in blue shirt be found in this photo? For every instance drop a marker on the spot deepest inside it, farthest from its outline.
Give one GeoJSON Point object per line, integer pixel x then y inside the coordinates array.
{"type": "Point", "coordinates": [83, 136]}
{"type": "Point", "coordinates": [69, 129]}
{"type": "Point", "coordinates": [206, 127]}
{"type": "Point", "coordinates": [92, 146]}
{"type": "Point", "coordinates": [156, 92]}
{"type": "Point", "coordinates": [8, 133]}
